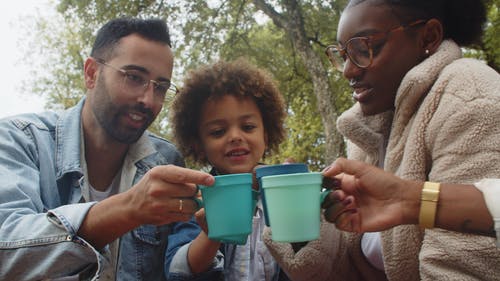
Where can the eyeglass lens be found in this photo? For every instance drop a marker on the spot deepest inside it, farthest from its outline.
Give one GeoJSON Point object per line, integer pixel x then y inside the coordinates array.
{"type": "Point", "coordinates": [357, 49]}
{"type": "Point", "coordinates": [359, 52]}
{"type": "Point", "coordinates": [136, 82]}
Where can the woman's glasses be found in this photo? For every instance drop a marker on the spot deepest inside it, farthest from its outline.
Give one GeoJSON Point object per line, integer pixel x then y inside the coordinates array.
{"type": "Point", "coordinates": [359, 50]}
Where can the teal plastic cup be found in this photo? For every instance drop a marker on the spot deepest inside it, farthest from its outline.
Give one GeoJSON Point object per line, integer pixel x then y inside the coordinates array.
{"type": "Point", "coordinates": [242, 239]}
{"type": "Point", "coordinates": [228, 208]}
{"type": "Point", "coordinates": [277, 169]}
{"type": "Point", "coordinates": [294, 205]}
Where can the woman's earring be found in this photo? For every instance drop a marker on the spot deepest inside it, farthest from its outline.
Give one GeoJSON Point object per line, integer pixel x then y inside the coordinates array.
{"type": "Point", "coordinates": [427, 52]}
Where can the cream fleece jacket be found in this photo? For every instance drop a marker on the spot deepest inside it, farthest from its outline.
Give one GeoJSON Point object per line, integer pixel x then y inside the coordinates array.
{"type": "Point", "coordinates": [445, 128]}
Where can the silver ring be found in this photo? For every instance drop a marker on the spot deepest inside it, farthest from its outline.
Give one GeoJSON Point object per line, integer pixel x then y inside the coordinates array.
{"type": "Point", "coordinates": [180, 205]}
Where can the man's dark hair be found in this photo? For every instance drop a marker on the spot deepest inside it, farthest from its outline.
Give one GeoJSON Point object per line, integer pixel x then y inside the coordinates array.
{"type": "Point", "coordinates": [110, 34]}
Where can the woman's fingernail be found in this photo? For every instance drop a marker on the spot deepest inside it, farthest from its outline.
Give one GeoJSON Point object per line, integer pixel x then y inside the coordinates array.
{"type": "Point", "coordinates": [346, 202]}
{"type": "Point", "coordinates": [336, 182]}
{"type": "Point", "coordinates": [330, 183]}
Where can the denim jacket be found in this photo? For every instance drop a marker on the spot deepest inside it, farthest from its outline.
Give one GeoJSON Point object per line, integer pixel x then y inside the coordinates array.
{"type": "Point", "coordinates": [42, 208]}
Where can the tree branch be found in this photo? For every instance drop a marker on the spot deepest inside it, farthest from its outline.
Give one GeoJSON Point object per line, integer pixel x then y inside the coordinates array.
{"type": "Point", "coordinates": [269, 10]}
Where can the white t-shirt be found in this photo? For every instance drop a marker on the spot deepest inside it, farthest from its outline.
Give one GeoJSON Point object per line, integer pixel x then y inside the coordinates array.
{"type": "Point", "coordinates": [491, 194]}
{"type": "Point", "coordinates": [96, 195]}
{"type": "Point", "coordinates": [122, 181]}
{"type": "Point", "coordinates": [371, 244]}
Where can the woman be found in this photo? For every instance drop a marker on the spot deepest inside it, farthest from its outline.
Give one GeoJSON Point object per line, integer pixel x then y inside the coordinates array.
{"type": "Point", "coordinates": [423, 113]}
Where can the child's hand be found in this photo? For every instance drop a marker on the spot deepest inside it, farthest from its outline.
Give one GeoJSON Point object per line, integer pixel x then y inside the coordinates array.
{"type": "Point", "coordinates": [255, 183]}
{"type": "Point", "coordinates": [201, 219]}
{"type": "Point", "coordinates": [200, 216]}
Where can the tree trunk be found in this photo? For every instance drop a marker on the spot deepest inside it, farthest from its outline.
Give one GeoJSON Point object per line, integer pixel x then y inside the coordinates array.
{"type": "Point", "coordinates": [293, 24]}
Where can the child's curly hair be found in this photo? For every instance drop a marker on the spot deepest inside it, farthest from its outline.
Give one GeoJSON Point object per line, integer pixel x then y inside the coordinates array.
{"type": "Point", "coordinates": [237, 78]}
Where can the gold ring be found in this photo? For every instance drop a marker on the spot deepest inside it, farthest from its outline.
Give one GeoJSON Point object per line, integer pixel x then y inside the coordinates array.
{"type": "Point", "coordinates": [180, 205]}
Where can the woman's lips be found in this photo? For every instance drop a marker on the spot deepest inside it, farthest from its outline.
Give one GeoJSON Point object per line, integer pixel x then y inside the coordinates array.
{"type": "Point", "coordinates": [362, 94]}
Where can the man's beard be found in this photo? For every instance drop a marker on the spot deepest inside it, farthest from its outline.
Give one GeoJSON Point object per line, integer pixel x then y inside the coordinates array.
{"type": "Point", "coordinates": [108, 115]}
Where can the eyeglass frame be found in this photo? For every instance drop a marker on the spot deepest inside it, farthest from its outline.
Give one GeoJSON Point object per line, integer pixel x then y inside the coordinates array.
{"type": "Point", "coordinates": [368, 41]}
{"type": "Point", "coordinates": [145, 85]}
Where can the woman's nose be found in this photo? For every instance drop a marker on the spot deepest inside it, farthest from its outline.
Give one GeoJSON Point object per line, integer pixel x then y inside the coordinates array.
{"type": "Point", "coordinates": [351, 70]}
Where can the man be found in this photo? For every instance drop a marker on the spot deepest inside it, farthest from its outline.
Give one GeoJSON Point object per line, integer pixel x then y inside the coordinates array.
{"type": "Point", "coordinates": [89, 193]}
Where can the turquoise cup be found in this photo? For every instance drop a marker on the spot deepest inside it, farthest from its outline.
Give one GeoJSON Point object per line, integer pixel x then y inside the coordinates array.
{"type": "Point", "coordinates": [294, 205]}
{"type": "Point", "coordinates": [242, 239]}
{"type": "Point", "coordinates": [228, 207]}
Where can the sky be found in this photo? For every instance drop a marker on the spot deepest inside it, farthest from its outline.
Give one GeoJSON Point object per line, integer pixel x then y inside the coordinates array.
{"type": "Point", "coordinates": [12, 70]}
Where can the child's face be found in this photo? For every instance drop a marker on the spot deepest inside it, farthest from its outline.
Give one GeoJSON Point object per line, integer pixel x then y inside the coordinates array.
{"type": "Point", "coordinates": [232, 134]}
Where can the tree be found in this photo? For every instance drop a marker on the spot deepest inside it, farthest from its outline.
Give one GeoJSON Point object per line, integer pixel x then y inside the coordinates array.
{"type": "Point", "coordinates": [285, 37]}
{"type": "Point", "coordinates": [208, 32]}
{"type": "Point", "coordinates": [491, 40]}
{"type": "Point", "coordinates": [291, 20]}
{"type": "Point", "coordinates": [306, 41]}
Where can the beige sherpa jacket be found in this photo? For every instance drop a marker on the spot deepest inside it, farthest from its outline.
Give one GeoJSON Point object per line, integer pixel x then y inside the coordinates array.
{"type": "Point", "coordinates": [445, 128]}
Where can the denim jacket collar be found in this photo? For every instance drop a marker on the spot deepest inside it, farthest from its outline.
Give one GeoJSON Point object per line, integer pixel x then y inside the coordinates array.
{"type": "Point", "coordinates": [67, 138]}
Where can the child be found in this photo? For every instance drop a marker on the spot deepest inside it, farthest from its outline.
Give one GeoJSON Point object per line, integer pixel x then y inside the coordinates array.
{"type": "Point", "coordinates": [227, 115]}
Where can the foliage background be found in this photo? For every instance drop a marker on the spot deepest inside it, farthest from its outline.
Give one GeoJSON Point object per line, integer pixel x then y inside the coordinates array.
{"type": "Point", "coordinates": [285, 37]}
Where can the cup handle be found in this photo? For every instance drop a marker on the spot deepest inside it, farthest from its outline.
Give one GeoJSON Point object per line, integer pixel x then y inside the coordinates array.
{"type": "Point", "coordinates": [324, 194]}
{"type": "Point", "coordinates": [198, 202]}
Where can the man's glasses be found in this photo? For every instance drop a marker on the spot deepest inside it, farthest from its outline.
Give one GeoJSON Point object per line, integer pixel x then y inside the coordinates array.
{"type": "Point", "coordinates": [359, 50]}
{"type": "Point", "coordinates": [137, 82]}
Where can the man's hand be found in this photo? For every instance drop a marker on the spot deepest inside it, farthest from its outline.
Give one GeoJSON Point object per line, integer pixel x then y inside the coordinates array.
{"type": "Point", "coordinates": [166, 194]}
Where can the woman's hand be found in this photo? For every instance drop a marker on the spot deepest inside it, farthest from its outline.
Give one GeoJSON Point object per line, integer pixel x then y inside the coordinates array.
{"type": "Point", "coordinates": [369, 198]}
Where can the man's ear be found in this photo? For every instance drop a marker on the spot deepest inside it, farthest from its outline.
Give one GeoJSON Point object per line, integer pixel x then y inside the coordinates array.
{"type": "Point", "coordinates": [90, 70]}
{"type": "Point", "coordinates": [432, 37]}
